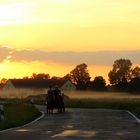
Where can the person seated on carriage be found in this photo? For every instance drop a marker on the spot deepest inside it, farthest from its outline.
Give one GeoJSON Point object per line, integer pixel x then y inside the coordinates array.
{"type": "Point", "coordinates": [57, 93]}
{"type": "Point", "coordinates": [58, 100]}
{"type": "Point", "coordinates": [50, 100]}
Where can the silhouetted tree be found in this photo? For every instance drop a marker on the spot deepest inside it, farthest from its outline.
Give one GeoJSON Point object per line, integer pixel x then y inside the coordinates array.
{"type": "Point", "coordinates": [121, 72]}
{"type": "Point", "coordinates": [135, 84]}
{"type": "Point", "coordinates": [135, 72]}
{"type": "Point", "coordinates": [3, 81]}
{"type": "Point", "coordinates": [55, 78]}
{"type": "Point", "coordinates": [80, 76]}
{"type": "Point", "coordinates": [98, 83]}
{"type": "Point", "coordinates": [25, 77]}
{"type": "Point", "coordinates": [67, 77]}
{"type": "Point", "coordinates": [40, 76]}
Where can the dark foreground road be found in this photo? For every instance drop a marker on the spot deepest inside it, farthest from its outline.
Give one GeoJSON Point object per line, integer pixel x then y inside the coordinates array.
{"type": "Point", "coordinates": [79, 124]}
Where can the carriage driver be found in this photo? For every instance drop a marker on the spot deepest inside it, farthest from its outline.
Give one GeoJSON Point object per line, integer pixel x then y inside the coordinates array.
{"type": "Point", "coordinates": [50, 99]}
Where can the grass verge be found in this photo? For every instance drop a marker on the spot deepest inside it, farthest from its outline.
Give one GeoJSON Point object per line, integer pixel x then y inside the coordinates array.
{"type": "Point", "coordinates": [132, 105]}
{"type": "Point", "coordinates": [18, 114]}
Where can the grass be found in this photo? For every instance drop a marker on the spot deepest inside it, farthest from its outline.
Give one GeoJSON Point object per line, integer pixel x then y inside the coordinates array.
{"type": "Point", "coordinates": [132, 105]}
{"type": "Point", "coordinates": [18, 114]}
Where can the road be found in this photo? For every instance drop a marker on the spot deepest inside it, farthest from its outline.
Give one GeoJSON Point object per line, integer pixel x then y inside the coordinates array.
{"type": "Point", "coordinates": [79, 124]}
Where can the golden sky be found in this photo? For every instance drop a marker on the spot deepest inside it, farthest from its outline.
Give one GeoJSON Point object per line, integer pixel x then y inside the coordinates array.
{"type": "Point", "coordinates": [66, 25]}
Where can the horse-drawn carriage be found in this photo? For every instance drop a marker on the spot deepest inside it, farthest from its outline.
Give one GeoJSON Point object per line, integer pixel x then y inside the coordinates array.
{"type": "Point", "coordinates": [54, 100]}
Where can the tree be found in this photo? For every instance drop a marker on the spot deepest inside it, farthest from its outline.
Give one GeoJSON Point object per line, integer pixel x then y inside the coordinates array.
{"type": "Point", "coordinates": [98, 83]}
{"type": "Point", "coordinates": [135, 72]}
{"type": "Point", "coordinates": [121, 72]}
{"type": "Point", "coordinates": [56, 78]}
{"type": "Point", "coordinates": [40, 76]}
{"type": "Point", "coordinates": [135, 85]}
{"type": "Point", "coordinates": [80, 76]}
{"type": "Point", "coordinates": [25, 77]}
{"type": "Point", "coordinates": [67, 77]}
{"type": "Point", "coordinates": [3, 81]}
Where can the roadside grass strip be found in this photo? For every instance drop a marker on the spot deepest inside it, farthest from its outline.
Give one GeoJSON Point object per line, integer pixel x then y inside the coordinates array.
{"type": "Point", "coordinates": [32, 122]}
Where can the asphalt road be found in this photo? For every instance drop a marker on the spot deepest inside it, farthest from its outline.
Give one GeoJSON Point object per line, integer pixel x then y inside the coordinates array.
{"type": "Point", "coordinates": [79, 124]}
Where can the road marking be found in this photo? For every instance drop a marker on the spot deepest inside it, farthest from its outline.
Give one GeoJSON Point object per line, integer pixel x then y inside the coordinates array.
{"type": "Point", "coordinates": [137, 119]}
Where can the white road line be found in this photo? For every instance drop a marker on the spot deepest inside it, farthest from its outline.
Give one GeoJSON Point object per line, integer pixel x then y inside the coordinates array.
{"type": "Point", "coordinates": [137, 119]}
{"type": "Point", "coordinates": [42, 115]}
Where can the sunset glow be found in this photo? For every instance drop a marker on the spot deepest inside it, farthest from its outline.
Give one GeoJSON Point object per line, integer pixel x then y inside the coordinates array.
{"type": "Point", "coordinates": [35, 33]}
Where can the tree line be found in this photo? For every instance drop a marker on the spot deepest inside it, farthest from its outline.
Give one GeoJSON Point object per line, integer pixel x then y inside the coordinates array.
{"type": "Point", "coordinates": [122, 77]}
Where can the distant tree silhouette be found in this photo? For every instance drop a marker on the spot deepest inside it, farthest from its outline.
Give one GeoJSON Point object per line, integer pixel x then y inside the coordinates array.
{"type": "Point", "coordinates": [3, 81]}
{"type": "Point", "coordinates": [80, 76]}
{"type": "Point", "coordinates": [25, 77]}
{"type": "Point", "coordinates": [40, 76]}
{"type": "Point", "coordinates": [67, 77]}
{"type": "Point", "coordinates": [135, 84]}
{"type": "Point", "coordinates": [121, 72]}
{"type": "Point", "coordinates": [98, 83]}
{"type": "Point", "coordinates": [55, 78]}
{"type": "Point", "coordinates": [135, 72]}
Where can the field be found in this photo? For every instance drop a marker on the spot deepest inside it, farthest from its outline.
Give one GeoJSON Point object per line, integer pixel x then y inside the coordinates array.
{"type": "Point", "coordinates": [107, 100]}
{"type": "Point", "coordinates": [101, 95]}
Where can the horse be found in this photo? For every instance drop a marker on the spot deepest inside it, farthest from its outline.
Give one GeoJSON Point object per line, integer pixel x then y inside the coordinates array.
{"type": "Point", "coordinates": [56, 103]}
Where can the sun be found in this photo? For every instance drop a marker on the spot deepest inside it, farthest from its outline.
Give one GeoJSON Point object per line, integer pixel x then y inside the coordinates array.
{"type": "Point", "coordinates": [12, 12]}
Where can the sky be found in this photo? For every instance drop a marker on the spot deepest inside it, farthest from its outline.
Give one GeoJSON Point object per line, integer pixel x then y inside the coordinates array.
{"type": "Point", "coordinates": [53, 36]}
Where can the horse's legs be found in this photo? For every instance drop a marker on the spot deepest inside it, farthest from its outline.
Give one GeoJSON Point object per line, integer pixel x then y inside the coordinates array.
{"type": "Point", "coordinates": [63, 109]}
{"type": "Point", "coordinates": [47, 109]}
{"type": "Point", "coordinates": [51, 110]}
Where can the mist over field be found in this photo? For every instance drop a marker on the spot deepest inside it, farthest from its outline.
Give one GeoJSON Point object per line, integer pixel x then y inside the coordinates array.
{"type": "Point", "coordinates": [71, 94]}
{"type": "Point", "coordinates": [100, 95]}
{"type": "Point", "coordinates": [21, 93]}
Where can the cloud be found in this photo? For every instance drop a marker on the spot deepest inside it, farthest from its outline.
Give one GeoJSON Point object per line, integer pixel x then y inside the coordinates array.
{"type": "Point", "coordinates": [104, 58]}
{"type": "Point", "coordinates": [5, 52]}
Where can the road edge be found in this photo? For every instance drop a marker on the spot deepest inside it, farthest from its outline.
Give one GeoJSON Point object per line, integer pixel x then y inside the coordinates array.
{"type": "Point", "coordinates": [134, 116]}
